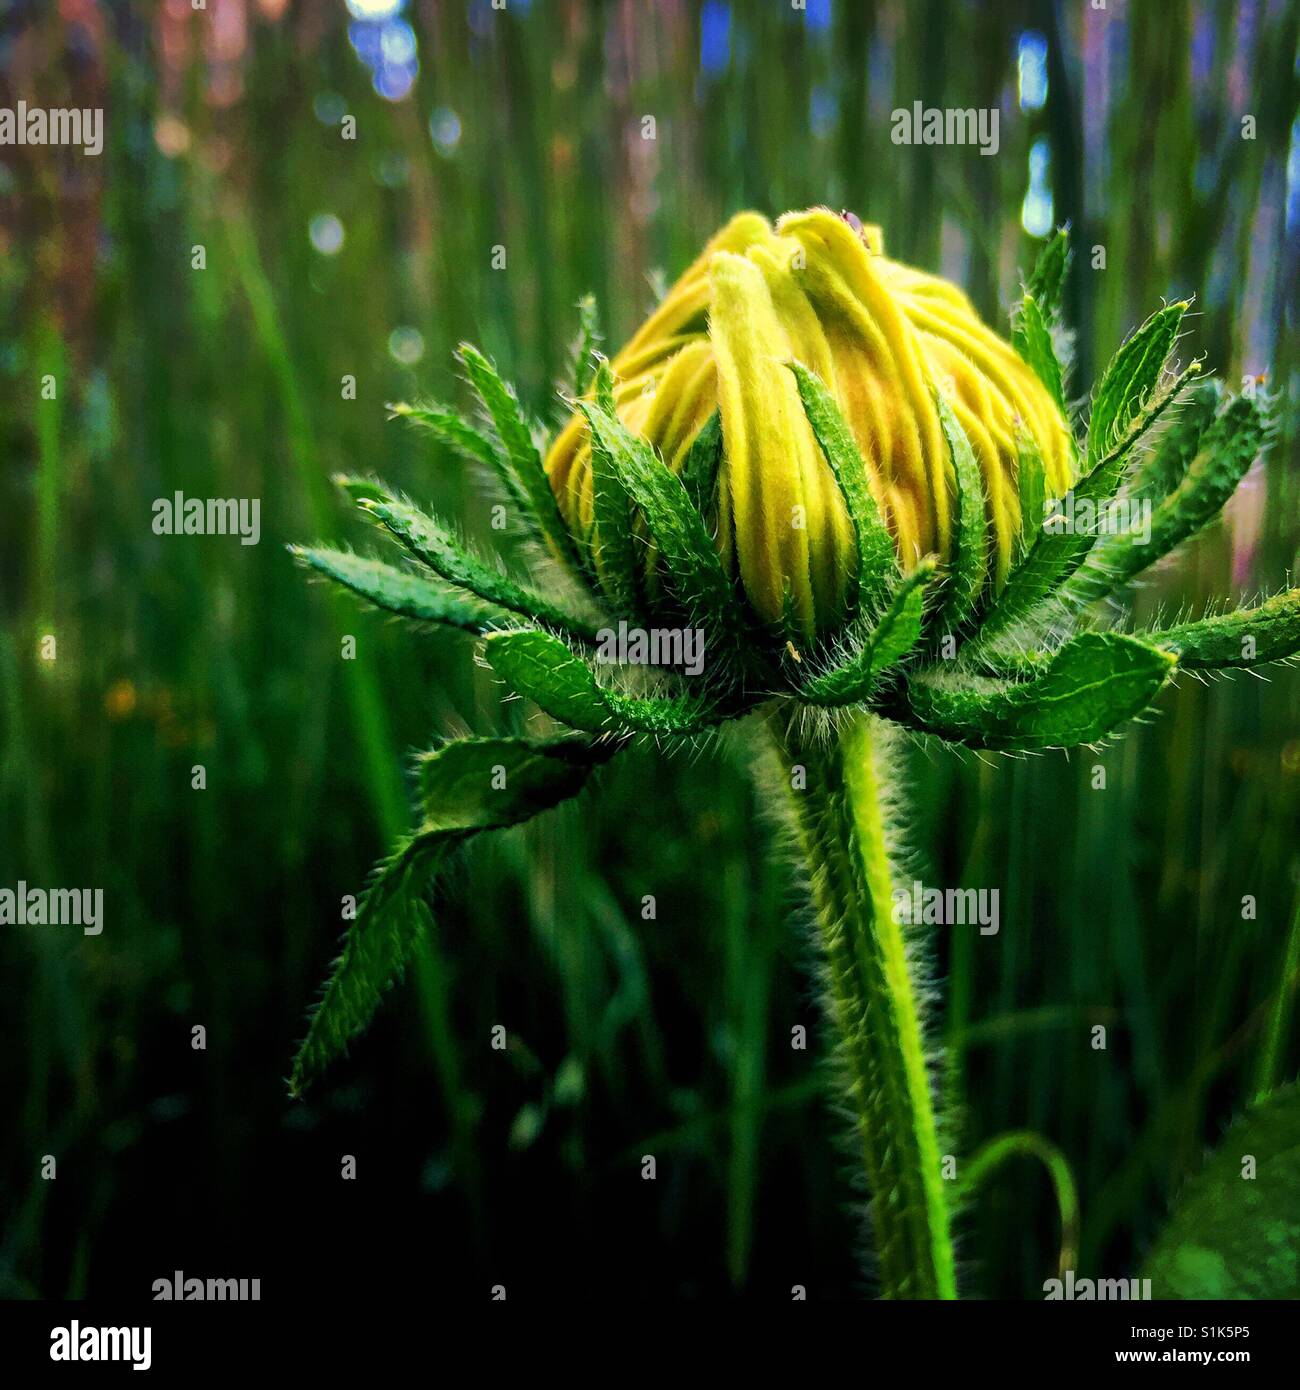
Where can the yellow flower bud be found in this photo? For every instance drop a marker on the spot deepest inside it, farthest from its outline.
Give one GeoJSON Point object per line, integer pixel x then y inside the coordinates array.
{"type": "Point", "coordinates": [884, 338]}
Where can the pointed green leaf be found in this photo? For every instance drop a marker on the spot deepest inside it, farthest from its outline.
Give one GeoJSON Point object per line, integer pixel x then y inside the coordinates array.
{"type": "Point", "coordinates": [361, 489]}
{"type": "Point", "coordinates": [897, 632]}
{"type": "Point", "coordinates": [968, 568]}
{"type": "Point", "coordinates": [458, 435]}
{"type": "Point", "coordinates": [1166, 465]}
{"type": "Point", "coordinates": [1047, 279]}
{"type": "Point", "coordinates": [1035, 346]}
{"type": "Point", "coordinates": [685, 546]}
{"type": "Point", "coordinates": [1058, 549]}
{"type": "Point", "coordinates": [703, 461]}
{"type": "Point", "coordinates": [400, 591]}
{"type": "Point", "coordinates": [1249, 637]}
{"type": "Point", "coordinates": [466, 787]}
{"type": "Point", "coordinates": [546, 671]}
{"type": "Point", "coordinates": [584, 364]}
{"type": "Point", "coordinates": [1227, 448]}
{"type": "Point", "coordinates": [525, 462]}
{"type": "Point", "coordinates": [1092, 685]}
{"type": "Point", "coordinates": [877, 560]}
{"type": "Point", "coordinates": [615, 549]}
{"type": "Point", "coordinates": [1131, 380]}
{"type": "Point", "coordinates": [1236, 1237]}
{"type": "Point", "coordinates": [1031, 483]}
{"type": "Point", "coordinates": [433, 544]}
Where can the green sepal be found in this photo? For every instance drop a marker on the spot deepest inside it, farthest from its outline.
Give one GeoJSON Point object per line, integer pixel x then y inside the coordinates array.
{"type": "Point", "coordinates": [546, 671]}
{"type": "Point", "coordinates": [1054, 554]}
{"type": "Point", "coordinates": [1047, 279]}
{"type": "Point", "coordinates": [700, 468]}
{"type": "Point", "coordinates": [361, 489]}
{"type": "Point", "coordinates": [1131, 380]}
{"type": "Point", "coordinates": [1034, 343]}
{"type": "Point", "coordinates": [433, 544]}
{"type": "Point", "coordinates": [1093, 684]}
{"type": "Point", "coordinates": [1270, 631]}
{"type": "Point", "coordinates": [968, 568]}
{"type": "Point", "coordinates": [614, 548]}
{"type": "Point", "coordinates": [894, 635]}
{"type": "Point", "coordinates": [447, 426]}
{"type": "Point", "coordinates": [1031, 484]}
{"type": "Point", "coordinates": [685, 547]}
{"type": "Point", "coordinates": [1227, 448]}
{"type": "Point", "coordinates": [525, 462]}
{"type": "Point", "coordinates": [402, 592]}
{"type": "Point", "coordinates": [589, 338]}
{"type": "Point", "coordinates": [877, 560]}
{"type": "Point", "coordinates": [1166, 465]}
{"type": "Point", "coordinates": [466, 787]}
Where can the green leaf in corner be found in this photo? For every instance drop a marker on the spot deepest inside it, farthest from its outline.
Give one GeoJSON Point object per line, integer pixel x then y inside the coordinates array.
{"type": "Point", "coordinates": [1095, 683]}
{"type": "Point", "coordinates": [466, 787]}
{"type": "Point", "coordinates": [402, 592]}
{"type": "Point", "coordinates": [542, 668]}
{"type": "Point", "coordinates": [1233, 1235]}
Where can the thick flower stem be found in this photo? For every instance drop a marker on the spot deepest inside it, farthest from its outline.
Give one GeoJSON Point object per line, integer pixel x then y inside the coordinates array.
{"type": "Point", "coordinates": [871, 1002]}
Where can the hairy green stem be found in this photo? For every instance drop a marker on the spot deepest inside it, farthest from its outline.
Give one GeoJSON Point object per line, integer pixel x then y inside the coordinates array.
{"type": "Point", "coordinates": [871, 1002]}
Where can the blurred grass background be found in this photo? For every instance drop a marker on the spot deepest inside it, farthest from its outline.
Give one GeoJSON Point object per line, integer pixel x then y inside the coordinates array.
{"type": "Point", "coordinates": [522, 128]}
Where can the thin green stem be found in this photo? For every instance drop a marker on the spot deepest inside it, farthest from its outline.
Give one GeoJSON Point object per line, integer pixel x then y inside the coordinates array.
{"type": "Point", "coordinates": [871, 1003]}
